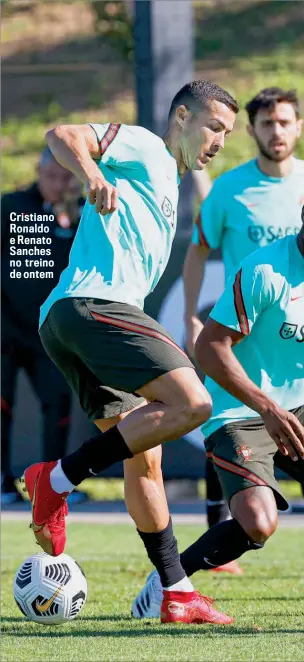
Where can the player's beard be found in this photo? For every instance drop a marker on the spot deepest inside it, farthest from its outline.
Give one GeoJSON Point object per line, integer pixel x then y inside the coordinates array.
{"type": "Point", "coordinates": [272, 156]}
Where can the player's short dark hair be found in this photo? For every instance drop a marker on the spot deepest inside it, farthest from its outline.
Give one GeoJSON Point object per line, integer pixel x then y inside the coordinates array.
{"type": "Point", "coordinates": [199, 93]}
{"type": "Point", "coordinates": [302, 214]}
{"type": "Point", "coordinates": [269, 97]}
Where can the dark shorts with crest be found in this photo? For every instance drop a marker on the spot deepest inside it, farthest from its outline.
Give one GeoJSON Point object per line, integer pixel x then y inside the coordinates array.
{"type": "Point", "coordinates": [107, 351]}
{"type": "Point", "coordinates": [244, 455]}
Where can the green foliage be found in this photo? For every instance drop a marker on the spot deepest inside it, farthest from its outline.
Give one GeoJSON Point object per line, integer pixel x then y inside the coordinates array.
{"type": "Point", "coordinates": [266, 52]}
{"type": "Point", "coordinates": [22, 141]}
{"type": "Point", "coordinates": [267, 603]}
{"type": "Point", "coordinates": [113, 22]}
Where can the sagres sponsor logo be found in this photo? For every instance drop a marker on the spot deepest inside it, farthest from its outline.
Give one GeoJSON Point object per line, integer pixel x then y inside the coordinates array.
{"type": "Point", "coordinates": [245, 452]}
{"type": "Point", "coordinates": [288, 330]}
{"type": "Point", "coordinates": [270, 233]}
{"type": "Point", "coordinates": [176, 608]}
{"type": "Point", "coordinates": [46, 605]}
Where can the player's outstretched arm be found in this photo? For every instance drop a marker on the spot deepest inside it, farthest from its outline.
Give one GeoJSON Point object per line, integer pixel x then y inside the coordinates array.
{"type": "Point", "coordinates": [215, 356]}
{"type": "Point", "coordinates": [75, 147]}
{"type": "Point", "coordinates": [202, 183]}
{"type": "Point", "coordinates": [207, 235]}
{"type": "Point", "coordinates": [193, 273]}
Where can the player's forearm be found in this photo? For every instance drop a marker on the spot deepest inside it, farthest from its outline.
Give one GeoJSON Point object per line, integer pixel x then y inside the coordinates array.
{"type": "Point", "coordinates": [193, 272]}
{"type": "Point", "coordinates": [218, 361]}
{"type": "Point", "coordinates": [69, 147]}
{"type": "Point", "coordinates": [202, 183]}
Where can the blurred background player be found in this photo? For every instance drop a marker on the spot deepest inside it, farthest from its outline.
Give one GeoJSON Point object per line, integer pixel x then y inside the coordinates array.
{"type": "Point", "coordinates": [249, 206]}
{"type": "Point", "coordinates": [252, 349]}
{"type": "Point", "coordinates": [57, 192]}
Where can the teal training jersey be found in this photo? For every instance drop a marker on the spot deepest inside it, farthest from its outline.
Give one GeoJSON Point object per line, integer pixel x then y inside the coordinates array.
{"type": "Point", "coordinates": [121, 256]}
{"type": "Point", "coordinates": [246, 209]}
{"type": "Point", "coordinates": [264, 301]}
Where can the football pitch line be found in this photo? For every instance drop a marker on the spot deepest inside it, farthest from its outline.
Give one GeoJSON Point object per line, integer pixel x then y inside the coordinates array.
{"type": "Point", "coordinates": [285, 521]}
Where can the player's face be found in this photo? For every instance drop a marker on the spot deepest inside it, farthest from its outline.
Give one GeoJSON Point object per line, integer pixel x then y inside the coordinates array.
{"type": "Point", "coordinates": [276, 131]}
{"type": "Point", "coordinates": [204, 134]}
{"type": "Point", "coordinates": [54, 180]}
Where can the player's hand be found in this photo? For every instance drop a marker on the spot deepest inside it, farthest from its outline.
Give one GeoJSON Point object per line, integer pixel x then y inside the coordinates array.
{"type": "Point", "coordinates": [193, 327]}
{"type": "Point", "coordinates": [103, 195]}
{"type": "Point", "coordinates": [287, 432]}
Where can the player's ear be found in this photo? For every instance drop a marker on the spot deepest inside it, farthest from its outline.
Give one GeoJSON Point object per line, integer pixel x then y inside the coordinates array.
{"type": "Point", "coordinates": [250, 130]}
{"type": "Point", "coordinates": [181, 115]}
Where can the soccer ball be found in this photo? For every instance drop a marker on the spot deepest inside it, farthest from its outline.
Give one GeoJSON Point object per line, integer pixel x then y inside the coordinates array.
{"type": "Point", "coordinates": [50, 590]}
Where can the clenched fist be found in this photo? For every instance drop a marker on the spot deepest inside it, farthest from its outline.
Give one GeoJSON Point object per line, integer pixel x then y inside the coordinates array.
{"type": "Point", "coordinates": [287, 432]}
{"type": "Point", "coordinates": [102, 194]}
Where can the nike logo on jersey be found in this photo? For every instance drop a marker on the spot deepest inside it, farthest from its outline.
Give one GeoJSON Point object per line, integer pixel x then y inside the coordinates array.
{"type": "Point", "coordinates": [295, 298]}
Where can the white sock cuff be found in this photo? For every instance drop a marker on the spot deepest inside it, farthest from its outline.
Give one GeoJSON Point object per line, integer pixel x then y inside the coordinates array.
{"type": "Point", "coordinates": [183, 585]}
{"type": "Point", "coordinates": [59, 482]}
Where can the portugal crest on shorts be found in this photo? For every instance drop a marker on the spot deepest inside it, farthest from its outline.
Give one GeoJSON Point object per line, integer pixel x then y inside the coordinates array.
{"type": "Point", "coordinates": [245, 452]}
{"type": "Point", "coordinates": [288, 330]}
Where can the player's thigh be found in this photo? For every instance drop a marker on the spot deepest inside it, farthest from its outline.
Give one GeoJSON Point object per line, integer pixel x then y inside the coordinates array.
{"type": "Point", "coordinates": [242, 453]}
{"type": "Point", "coordinates": [181, 386]}
{"type": "Point", "coordinates": [105, 424]}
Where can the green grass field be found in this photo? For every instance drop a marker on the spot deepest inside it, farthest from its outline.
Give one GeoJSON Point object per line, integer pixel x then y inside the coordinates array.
{"type": "Point", "coordinates": [267, 603]}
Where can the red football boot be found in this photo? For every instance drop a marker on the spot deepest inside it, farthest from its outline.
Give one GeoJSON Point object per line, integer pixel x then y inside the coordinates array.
{"type": "Point", "coordinates": [232, 567]}
{"type": "Point", "coordinates": [180, 607]}
{"type": "Point", "coordinates": [48, 508]}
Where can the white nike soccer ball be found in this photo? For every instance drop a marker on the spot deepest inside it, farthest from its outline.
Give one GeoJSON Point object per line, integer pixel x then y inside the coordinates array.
{"type": "Point", "coordinates": [50, 590]}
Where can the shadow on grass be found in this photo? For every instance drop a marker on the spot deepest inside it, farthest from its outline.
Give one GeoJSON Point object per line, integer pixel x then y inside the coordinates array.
{"type": "Point", "coordinates": [147, 630]}
{"type": "Point", "coordinates": [103, 617]}
{"type": "Point", "coordinates": [277, 598]}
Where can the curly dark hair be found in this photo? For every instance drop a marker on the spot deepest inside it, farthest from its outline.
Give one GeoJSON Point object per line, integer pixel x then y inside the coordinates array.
{"type": "Point", "coordinates": [268, 97]}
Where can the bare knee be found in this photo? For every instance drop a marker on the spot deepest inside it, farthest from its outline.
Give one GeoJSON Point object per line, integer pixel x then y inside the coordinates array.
{"type": "Point", "coordinates": [256, 511]}
{"type": "Point", "coordinates": [262, 526]}
{"type": "Point", "coordinates": [182, 390]}
{"type": "Point", "coordinates": [199, 407]}
{"type": "Point", "coordinates": [146, 464]}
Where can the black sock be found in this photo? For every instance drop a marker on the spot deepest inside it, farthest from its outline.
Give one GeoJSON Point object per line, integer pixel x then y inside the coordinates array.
{"type": "Point", "coordinates": [163, 553]}
{"type": "Point", "coordinates": [95, 455]}
{"type": "Point", "coordinates": [222, 543]}
{"type": "Point", "coordinates": [216, 506]}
